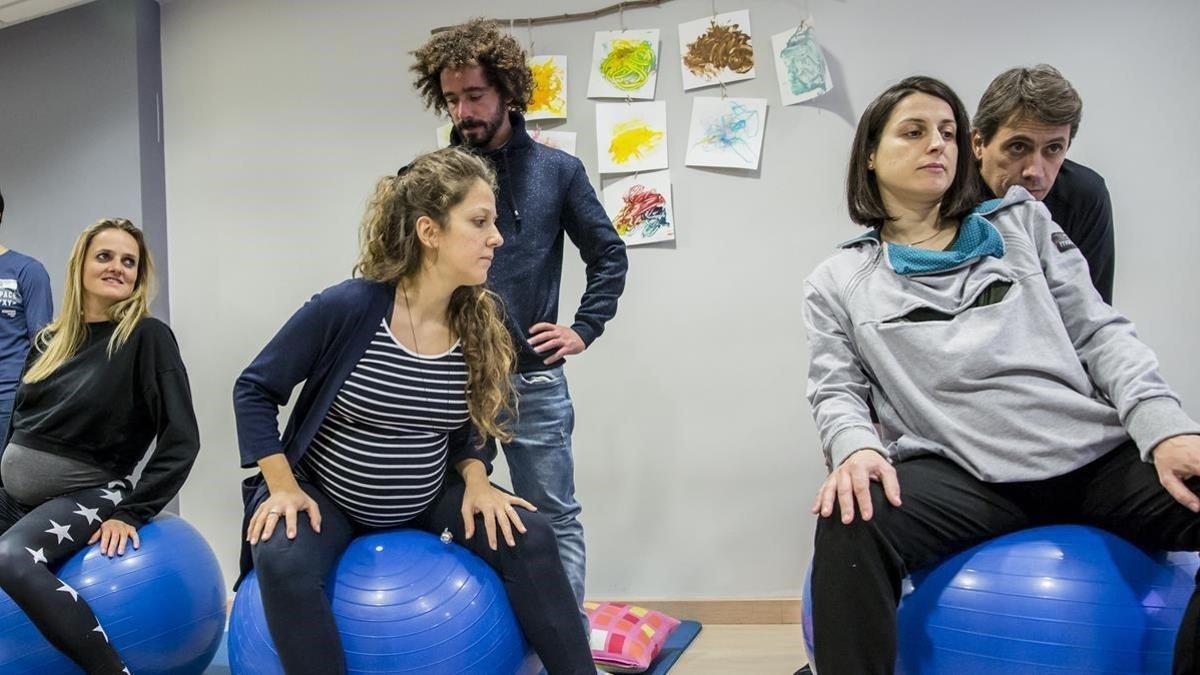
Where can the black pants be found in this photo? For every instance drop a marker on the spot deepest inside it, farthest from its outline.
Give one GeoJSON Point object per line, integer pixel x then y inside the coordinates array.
{"type": "Point", "coordinates": [32, 541]}
{"type": "Point", "coordinates": [858, 568]}
{"type": "Point", "coordinates": [292, 574]}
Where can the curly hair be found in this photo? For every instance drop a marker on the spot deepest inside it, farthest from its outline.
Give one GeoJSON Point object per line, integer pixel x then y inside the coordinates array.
{"type": "Point", "coordinates": [432, 185]}
{"type": "Point", "coordinates": [478, 42]}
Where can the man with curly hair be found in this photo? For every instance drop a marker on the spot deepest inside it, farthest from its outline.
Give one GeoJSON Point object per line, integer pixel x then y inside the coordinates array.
{"type": "Point", "coordinates": [478, 76]}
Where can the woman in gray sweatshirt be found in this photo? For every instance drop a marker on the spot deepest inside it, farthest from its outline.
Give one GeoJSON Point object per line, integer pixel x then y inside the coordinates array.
{"type": "Point", "coordinates": [1007, 392]}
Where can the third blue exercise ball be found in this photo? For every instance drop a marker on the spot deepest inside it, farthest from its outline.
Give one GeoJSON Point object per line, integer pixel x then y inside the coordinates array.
{"type": "Point", "coordinates": [404, 602]}
{"type": "Point", "coordinates": [162, 605]}
{"type": "Point", "coordinates": [1066, 599]}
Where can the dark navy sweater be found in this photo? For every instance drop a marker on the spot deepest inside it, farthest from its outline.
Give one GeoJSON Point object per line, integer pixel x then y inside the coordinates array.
{"type": "Point", "coordinates": [544, 193]}
{"type": "Point", "coordinates": [319, 346]}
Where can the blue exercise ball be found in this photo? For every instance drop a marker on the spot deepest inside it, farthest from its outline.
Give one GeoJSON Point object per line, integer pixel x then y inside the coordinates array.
{"type": "Point", "coordinates": [1066, 599]}
{"type": "Point", "coordinates": [162, 605]}
{"type": "Point", "coordinates": [404, 602]}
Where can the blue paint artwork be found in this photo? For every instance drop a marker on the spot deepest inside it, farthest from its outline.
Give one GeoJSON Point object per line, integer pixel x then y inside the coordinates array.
{"type": "Point", "coordinates": [732, 131]}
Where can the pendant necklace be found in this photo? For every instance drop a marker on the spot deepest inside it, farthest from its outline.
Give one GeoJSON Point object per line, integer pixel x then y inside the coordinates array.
{"type": "Point", "coordinates": [446, 536]}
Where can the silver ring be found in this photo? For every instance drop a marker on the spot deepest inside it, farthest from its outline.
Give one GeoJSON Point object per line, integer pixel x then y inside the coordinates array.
{"type": "Point", "coordinates": [272, 513]}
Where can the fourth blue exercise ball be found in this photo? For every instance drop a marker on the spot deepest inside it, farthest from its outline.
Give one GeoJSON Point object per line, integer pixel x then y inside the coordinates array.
{"type": "Point", "coordinates": [1066, 599]}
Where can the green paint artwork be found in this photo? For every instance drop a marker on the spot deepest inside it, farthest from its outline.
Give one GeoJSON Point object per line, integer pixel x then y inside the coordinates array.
{"type": "Point", "coordinates": [804, 61]}
{"type": "Point", "coordinates": [628, 64]}
{"type": "Point", "coordinates": [624, 64]}
{"type": "Point", "coordinates": [800, 64]}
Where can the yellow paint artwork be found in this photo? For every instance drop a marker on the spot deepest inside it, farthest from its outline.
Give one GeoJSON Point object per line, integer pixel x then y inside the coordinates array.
{"type": "Point", "coordinates": [548, 98]}
{"type": "Point", "coordinates": [633, 139]}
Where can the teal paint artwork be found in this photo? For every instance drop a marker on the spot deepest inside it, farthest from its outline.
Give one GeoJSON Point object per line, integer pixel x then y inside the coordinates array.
{"type": "Point", "coordinates": [800, 64]}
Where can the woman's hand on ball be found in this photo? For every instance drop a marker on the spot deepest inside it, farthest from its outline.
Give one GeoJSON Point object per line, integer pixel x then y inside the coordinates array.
{"type": "Point", "coordinates": [112, 535]}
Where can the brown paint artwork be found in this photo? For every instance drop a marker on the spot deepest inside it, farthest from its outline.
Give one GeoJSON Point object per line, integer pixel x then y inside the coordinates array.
{"type": "Point", "coordinates": [721, 46]}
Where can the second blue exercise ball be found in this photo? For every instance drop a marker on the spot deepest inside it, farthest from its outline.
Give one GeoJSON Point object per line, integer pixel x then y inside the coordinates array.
{"type": "Point", "coordinates": [404, 602]}
{"type": "Point", "coordinates": [161, 605]}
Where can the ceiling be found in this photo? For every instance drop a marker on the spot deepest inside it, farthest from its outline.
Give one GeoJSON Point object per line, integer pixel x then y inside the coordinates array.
{"type": "Point", "coordinates": [16, 11]}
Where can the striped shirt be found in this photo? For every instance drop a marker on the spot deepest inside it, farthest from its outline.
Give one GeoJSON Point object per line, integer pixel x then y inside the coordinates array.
{"type": "Point", "coordinates": [380, 452]}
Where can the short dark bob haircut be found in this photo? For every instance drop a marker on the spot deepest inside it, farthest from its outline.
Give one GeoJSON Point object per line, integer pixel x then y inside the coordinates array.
{"type": "Point", "coordinates": [862, 192]}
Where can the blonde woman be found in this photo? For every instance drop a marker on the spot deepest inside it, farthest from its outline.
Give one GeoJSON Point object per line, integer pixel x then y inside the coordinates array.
{"type": "Point", "coordinates": [399, 365]}
{"type": "Point", "coordinates": [103, 380]}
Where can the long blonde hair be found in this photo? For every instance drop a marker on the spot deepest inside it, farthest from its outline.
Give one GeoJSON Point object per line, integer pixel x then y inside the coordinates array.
{"type": "Point", "coordinates": [63, 337]}
{"type": "Point", "coordinates": [391, 252]}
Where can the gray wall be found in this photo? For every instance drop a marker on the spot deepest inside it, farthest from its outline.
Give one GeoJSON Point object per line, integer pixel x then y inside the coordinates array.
{"type": "Point", "coordinates": [696, 454]}
{"type": "Point", "coordinates": [79, 130]}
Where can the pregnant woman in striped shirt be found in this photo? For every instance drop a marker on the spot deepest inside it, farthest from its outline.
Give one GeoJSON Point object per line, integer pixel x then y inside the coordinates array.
{"type": "Point", "coordinates": [399, 365]}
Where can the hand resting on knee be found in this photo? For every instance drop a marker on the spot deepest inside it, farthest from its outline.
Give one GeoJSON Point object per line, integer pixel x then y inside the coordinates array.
{"type": "Point", "coordinates": [852, 480]}
{"type": "Point", "coordinates": [1177, 459]}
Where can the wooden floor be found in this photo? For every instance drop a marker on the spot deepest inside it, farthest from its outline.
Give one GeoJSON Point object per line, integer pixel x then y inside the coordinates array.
{"type": "Point", "coordinates": [746, 649]}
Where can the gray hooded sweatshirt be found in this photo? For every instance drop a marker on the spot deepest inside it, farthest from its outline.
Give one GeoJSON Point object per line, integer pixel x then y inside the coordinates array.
{"type": "Point", "coordinates": [1034, 386]}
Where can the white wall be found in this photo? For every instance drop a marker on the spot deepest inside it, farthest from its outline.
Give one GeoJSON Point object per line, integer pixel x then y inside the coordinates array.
{"type": "Point", "coordinates": [696, 454]}
{"type": "Point", "coordinates": [79, 131]}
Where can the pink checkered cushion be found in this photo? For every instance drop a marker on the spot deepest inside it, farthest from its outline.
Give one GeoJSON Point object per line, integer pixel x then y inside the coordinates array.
{"type": "Point", "coordinates": [626, 638]}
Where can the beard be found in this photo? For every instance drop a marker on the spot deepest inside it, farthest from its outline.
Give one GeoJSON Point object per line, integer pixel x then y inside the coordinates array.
{"type": "Point", "coordinates": [482, 131]}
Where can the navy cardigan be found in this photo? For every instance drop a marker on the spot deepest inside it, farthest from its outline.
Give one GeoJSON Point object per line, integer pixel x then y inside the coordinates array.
{"type": "Point", "coordinates": [318, 346]}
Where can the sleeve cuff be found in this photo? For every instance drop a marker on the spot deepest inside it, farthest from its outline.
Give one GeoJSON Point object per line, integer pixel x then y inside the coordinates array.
{"type": "Point", "coordinates": [849, 441]}
{"type": "Point", "coordinates": [1155, 420]}
{"type": "Point", "coordinates": [250, 457]}
{"type": "Point", "coordinates": [469, 450]}
{"type": "Point", "coordinates": [584, 332]}
{"type": "Point", "coordinates": [129, 519]}
{"type": "Point", "coordinates": [453, 463]}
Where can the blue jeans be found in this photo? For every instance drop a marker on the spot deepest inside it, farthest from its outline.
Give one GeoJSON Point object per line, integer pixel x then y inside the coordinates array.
{"type": "Point", "coordinates": [541, 465]}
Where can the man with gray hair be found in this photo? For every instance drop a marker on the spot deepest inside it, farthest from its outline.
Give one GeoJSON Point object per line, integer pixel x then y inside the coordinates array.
{"type": "Point", "coordinates": [1023, 128]}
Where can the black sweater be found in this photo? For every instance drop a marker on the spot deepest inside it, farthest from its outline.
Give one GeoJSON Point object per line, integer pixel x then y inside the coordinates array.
{"type": "Point", "coordinates": [1080, 204]}
{"type": "Point", "coordinates": [107, 411]}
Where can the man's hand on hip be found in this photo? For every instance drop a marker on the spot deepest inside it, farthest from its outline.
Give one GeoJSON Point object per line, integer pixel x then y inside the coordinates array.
{"type": "Point", "coordinates": [558, 341]}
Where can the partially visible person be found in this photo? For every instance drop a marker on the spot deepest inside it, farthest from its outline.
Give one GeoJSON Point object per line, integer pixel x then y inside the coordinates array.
{"type": "Point", "coordinates": [1024, 126]}
{"type": "Point", "coordinates": [25, 307]}
{"type": "Point", "coordinates": [399, 366]}
{"type": "Point", "coordinates": [104, 380]}
{"type": "Point", "coordinates": [1009, 394]}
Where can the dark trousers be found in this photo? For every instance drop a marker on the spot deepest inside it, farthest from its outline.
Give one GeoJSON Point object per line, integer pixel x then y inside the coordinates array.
{"type": "Point", "coordinates": [32, 541]}
{"type": "Point", "coordinates": [292, 574]}
{"type": "Point", "coordinates": [858, 568]}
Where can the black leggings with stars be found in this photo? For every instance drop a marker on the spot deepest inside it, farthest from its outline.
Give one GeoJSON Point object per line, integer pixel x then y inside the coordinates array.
{"type": "Point", "coordinates": [34, 541]}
